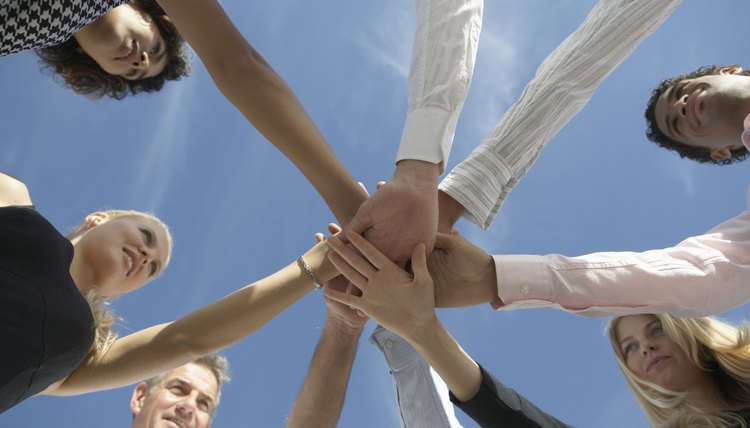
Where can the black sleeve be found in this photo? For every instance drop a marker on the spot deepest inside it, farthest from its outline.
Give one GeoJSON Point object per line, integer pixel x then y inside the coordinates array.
{"type": "Point", "coordinates": [496, 405]}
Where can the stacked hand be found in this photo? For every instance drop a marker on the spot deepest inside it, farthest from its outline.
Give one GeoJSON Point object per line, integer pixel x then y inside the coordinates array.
{"type": "Point", "coordinates": [402, 213]}
{"type": "Point", "coordinates": [344, 318]}
{"type": "Point", "coordinates": [400, 301]}
{"type": "Point", "coordinates": [463, 273]}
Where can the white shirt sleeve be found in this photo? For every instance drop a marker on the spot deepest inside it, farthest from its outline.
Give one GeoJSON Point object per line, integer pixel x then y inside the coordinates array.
{"type": "Point", "coordinates": [700, 276]}
{"type": "Point", "coordinates": [443, 55]}
{"type": "Point", "coordinates": [562, 86]}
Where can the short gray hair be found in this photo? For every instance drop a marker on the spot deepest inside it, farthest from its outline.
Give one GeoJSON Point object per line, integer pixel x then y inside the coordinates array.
{"type": "Point", "coordinates": [217, 364]}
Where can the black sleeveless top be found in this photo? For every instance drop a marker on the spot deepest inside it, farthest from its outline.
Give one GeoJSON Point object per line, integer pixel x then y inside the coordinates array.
{"type": "Point", "coordinates": [46, 326]}
{"type": "Point", "coordinates": [29, 24]}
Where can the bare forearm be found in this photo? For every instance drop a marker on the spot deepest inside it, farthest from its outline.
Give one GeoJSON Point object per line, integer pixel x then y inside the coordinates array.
{"type": "Point", "coordinates": [321, 397]}
{"type": "Point", "coordinates": [251, 84]}
{"type": "Point", "coordinates": [270, 105]}
{"type": "Point", "coordinates": [208, 329]}
{"type": "Point", "coordinates": [449, 211]}
{"type": "Point", "coordinates": [459, 371]}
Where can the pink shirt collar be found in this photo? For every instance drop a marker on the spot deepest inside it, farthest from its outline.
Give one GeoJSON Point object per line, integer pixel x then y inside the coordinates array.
{"type": "Point", "coordinates": [746, 134]}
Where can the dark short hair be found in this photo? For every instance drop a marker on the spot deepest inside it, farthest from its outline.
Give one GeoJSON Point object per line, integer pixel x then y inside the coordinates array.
{"type": "Point", "coordinates": [72, 67]}
{"type": "Point", "coordinates": [698, 154]}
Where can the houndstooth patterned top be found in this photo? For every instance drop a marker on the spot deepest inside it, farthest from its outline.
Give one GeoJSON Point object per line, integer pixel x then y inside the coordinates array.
{"type": "Point", "coordinates": [29, 24]}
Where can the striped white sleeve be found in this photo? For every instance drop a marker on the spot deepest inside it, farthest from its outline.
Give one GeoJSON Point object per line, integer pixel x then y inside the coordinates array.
{"type": "Point", "coordinates": [562, 86]}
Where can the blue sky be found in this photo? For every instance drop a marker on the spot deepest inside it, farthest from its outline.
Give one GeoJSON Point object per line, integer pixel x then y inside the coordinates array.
{"type": "Point", "coordinates": [239, 210]}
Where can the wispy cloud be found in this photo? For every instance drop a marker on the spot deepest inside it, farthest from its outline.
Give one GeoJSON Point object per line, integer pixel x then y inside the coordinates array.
{"type": "Point", "coordinates": [496, 80]}
{"type": "Point", "coordinates": [167, 145]}
{"type": "Point", "coordinates": [492, 239]}
{"type": "Point", "coordinates": [685, 173]}
{"type": "Point", "coordinates": [385, 39]}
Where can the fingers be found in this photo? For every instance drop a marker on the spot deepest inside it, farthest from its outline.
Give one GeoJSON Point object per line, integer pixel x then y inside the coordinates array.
{"type": "Point", "coordinates": [379, 184]}
{"type": "Point", "coordinates": [362, 185]}
{"type": "Point", "coordinates": [445, 241]}
{"type": "Point", "coordinates": [333, 228]}
{"type": "Point", "coordinates": [419, 262]}
{"type": "Point", "coordinates": [343, 298]}
{"type": "Point", "coordinates": [373, 255]}
{"type": "Point", "coordinates": [348, 271]}
{"type": "Point", "coordinates": [319, 237]}
{"type": "Point", "coordinates": [352, 289]}
{"type": "Point", "coordinates": [351, 257]}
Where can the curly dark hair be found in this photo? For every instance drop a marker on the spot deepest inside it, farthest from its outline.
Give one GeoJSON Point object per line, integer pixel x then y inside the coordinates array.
{"type": "Point", "coordinates": [698, 154]}
{"type": "Point", "coordinates": [72, 67]}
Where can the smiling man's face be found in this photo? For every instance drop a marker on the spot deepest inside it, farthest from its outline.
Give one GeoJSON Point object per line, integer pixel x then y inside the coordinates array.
{"type": "Point", "coordinates": [183, 398]}
{"type": "Point", "coordinates": [707, 111]}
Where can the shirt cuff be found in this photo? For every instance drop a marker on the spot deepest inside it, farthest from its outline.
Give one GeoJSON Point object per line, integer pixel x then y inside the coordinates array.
{"type": "Point", "coordinates": [522, 282]}
{"type": "Point", "coordinates": [479, 184]}
{"type": "Point", "coordinates": [428, 136]}
{"type": "Point", "coordinates": [399, 354]}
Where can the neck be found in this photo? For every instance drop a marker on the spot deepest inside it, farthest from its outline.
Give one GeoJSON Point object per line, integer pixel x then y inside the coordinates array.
{"type": "Point", "coordinates": [78, 272]}
{"type": "Point", "coordinates": [707, 396]}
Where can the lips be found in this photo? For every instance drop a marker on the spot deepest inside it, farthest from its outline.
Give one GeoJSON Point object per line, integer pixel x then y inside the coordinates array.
{"type": "Point", "coordinates": [654, 361]}
{"type": "Point", "coordinates": [177, 422]}
{"type": "Point", "coordinates": [130, 261]}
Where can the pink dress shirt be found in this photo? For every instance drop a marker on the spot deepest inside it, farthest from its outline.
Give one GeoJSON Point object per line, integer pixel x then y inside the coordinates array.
{"type": "Point", "coordinates": [701, 275]}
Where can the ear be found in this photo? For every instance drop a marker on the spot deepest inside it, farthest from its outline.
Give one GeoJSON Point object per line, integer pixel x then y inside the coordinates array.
{"type": "Point", "coordinates": [95, 219]}
{"type": "Point", "coordinates": [731, 70]}
{"type": "Point", "coordinates": [139, 398]}
{"type": "Point", "coordinates": [721, 154]}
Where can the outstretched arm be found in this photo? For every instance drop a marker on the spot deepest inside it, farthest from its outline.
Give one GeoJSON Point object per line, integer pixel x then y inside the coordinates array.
{"type": "Point", "coordinates": [404, 304]}
{"type": "Point", "coordinates": [209, 329]}
{"type": "Point", "coordinates": [249, 82]}
{"type": "Point", "coordinates": [405, 211]}
{"type": "Point", "coordinates": [564, 83]}
{"type": "Point", "coordinates": [702, 275]}
{"type": "Point", "coordinates": [321, 397]}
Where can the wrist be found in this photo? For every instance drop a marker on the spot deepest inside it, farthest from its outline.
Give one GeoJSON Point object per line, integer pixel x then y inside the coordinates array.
{"type": "Point", "coordinates": [449, 211]}
{"type": "Point", "coordinates": [417, 172]}
{"type": "Point", "coordinates": [338, 329]}
{"type": "Point", "coordinates": [488, 281]}
{"type": "Point", "coordinates": [422, 334]}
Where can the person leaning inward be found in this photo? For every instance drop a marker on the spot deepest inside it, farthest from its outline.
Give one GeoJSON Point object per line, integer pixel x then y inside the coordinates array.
{"type": "Point", "coordinates": [57, 337]}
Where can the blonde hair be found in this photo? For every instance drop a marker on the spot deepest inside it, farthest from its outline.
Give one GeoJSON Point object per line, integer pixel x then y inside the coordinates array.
{"type": "Point", "coordinates": [104, 317]}
{"type": "Point", "coordinates": [715, 346]}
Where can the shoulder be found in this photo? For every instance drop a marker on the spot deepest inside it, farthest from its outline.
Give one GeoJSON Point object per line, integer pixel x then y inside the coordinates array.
{"type": "Point", "coordinates": [13, 191]}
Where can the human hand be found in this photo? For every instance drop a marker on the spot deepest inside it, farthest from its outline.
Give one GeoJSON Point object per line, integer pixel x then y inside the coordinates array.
{"type": "Point", "coordinates": [402, 213]}
{"type": "Point", "coordinates": [344, 319]}
{"type": "Point", "coordinates": [341, 317]}
{"type": "Point", "coordinates": [398, 300]}
{"type": "Point", "coordinates": [449, 211]}
{"type": "Point", "coordinates": [464, 275]}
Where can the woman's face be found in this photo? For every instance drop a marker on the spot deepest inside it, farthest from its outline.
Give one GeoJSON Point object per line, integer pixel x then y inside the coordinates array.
{"type": "Point", "coordinates": [652, 356]}
{"type": "Point", "coordinates": [125, 42]}
{"type": "Point", "coordinates": [121, 254]}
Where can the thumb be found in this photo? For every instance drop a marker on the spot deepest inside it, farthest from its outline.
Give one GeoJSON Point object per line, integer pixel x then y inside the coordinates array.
{"type": "Point", "coordinates": [445, 241]}
{"type": "Point", "coordinates": [360, 222]}
{"type": "Point", "coordinates": [419, 262]}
